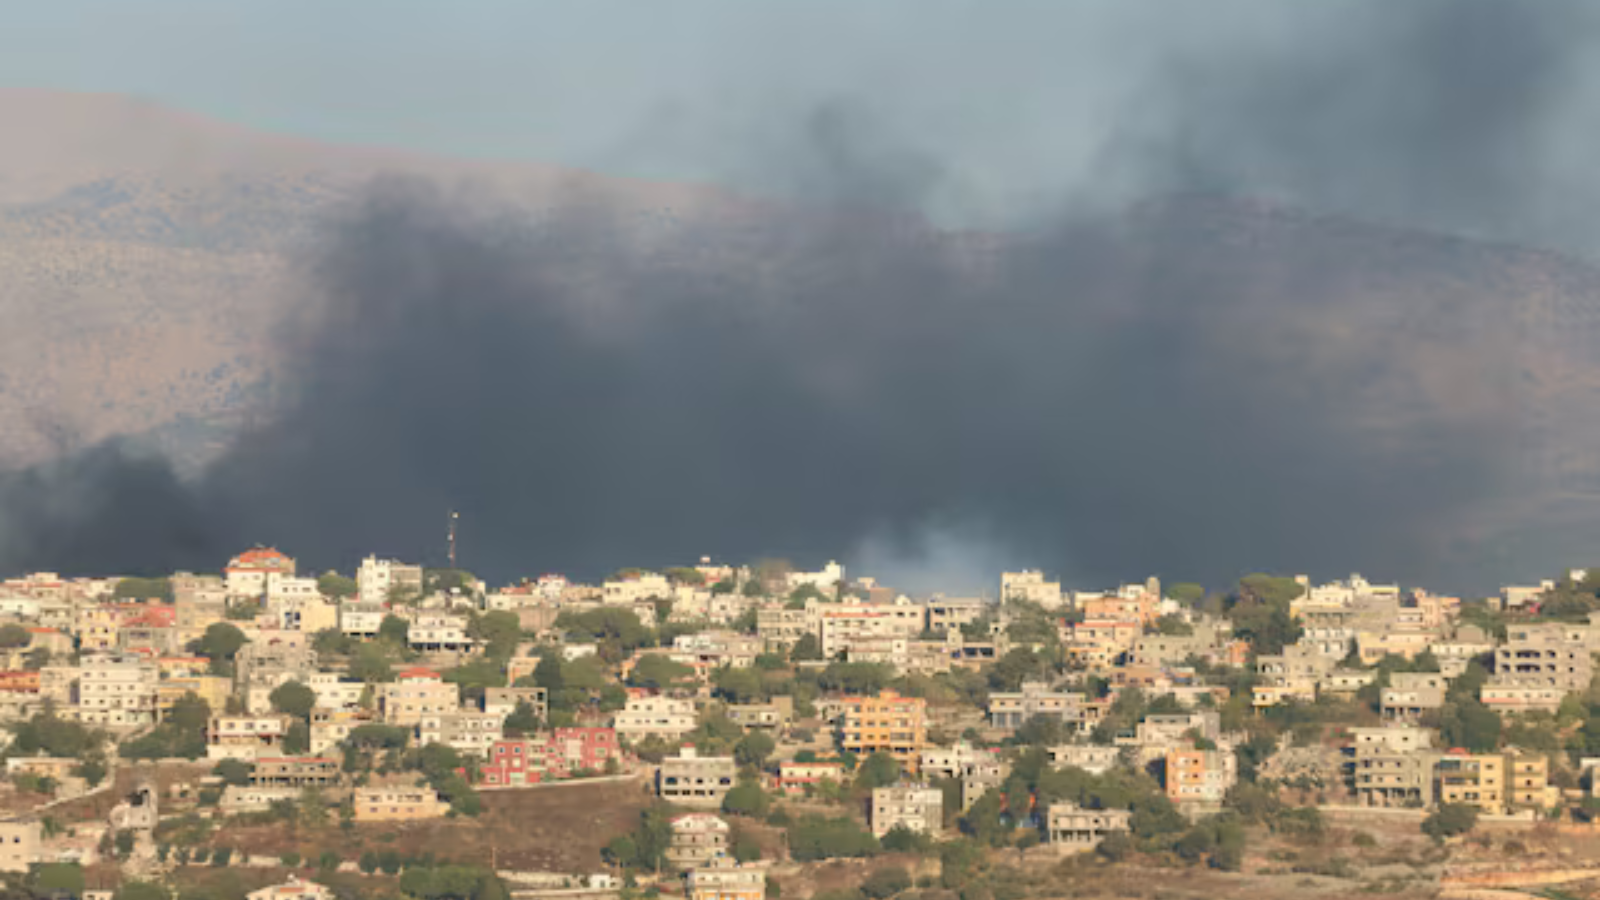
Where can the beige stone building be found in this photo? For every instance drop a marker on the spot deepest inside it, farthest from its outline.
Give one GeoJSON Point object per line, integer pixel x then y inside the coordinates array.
{"type": "Point", "coordinates": [916, 807]}
{"type": "Point", "coordinates": [1071, 827]}
{"type": "Point", "coordinates": [695, 780]}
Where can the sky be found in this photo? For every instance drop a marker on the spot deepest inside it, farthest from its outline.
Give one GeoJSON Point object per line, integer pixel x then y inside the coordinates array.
{"type": "Point", "coordinates": [1012, 100]}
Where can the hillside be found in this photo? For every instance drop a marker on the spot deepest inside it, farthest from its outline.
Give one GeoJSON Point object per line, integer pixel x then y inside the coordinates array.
{"type": "Point", "coordinates": [148, 258]}
{"type": "Point", "coordinates": [147, 254]}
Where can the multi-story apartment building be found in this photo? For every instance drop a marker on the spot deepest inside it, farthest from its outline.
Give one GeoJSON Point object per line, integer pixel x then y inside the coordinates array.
{"type": "Point", "coordinates": [329, 728]}
{"type": "Point", "coordinates": [1037, 698]}
{"type": "Point", "coordinates": [435, 632]}
{"type": "Point", "coordinates": [378, 579]}
{"type": "Point", "coordinates": [695, 780]}
{"type": "Point", "coordinates": [398, 803]}
{"type": "Point", "coordinates": [416, 694]}
{"type": "Point", "coordinates": [1199, 776]}
{"type": "Point", "coordinates": [947, 613]}
{"type": "Point", "coordinates": [1478, 780]}
{"type": "Point", "coordinates": [504, 701]}
{"type": "Point", "coordinates": [722, 878]}
{"type": "Point", "coordinates": [915, 807]}
{"type": "Point", "coordinates": [774, 714]}
{"type": "Point", "coordinates": [1410, 695]}
{"type": "Point", "coordinates": [246, 737]}
{"type": "Point", "coordinates": [1029, 585]}
{"type": "Point", "coordinates": [780, 627]}
{"type": "Point", "coordinates": [887, 723]}
{"type": "Point", "coordinates": [664, 717]}
{"type": "Point", "coordinates": [361, 618]}
{"type": "Point", "coordinates": [296, 772]}
{"type": "Point", "coordinates": [1528, 780]}
{"type": "Point", "coordinates": [1072, 827]}
{"type": "Point", "coordinates": [796, 777]}
{"type": "Point", "coordinates": [1382, 776]}
{"type": "Point", "coordinates": [465, 730]}
{"type": "Point", "coordinates": [718, 648]}
{"type": "Point", "coordinates": [1537, 667]}
{"type": "Point", "coordinates": [697, 838]}
{"type": "Point", "coordinates": [547, 756]}
{"type": "Point", "coordinates": [117, 692]}
{"type": "Point", "coordinates": [246, 574]}
{"type": "Point", "coordinates": [842, 625]}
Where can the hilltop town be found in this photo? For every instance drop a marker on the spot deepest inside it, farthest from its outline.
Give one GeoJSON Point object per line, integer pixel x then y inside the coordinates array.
{"type": "Point", "coordinates": [747, 732]}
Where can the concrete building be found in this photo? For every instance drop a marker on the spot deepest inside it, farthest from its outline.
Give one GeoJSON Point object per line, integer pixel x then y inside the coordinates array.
{"type": "Point", "coordinates": [1013, 709]}
{"type": "Point", "coordinates": [296, 772]}
{"type": "Point", "coordinates": [1537, 667]}
{"type": "Point", "coordinates": [293, 889]}
{"type": "Point", "coordinates": [697, 838]}
{"type": "Point", "coordinates": [664, 717]}
{"type": "Point", "coordinates": [416, 694]}
{"type": "Point", "coordinates": [245, 577]}
{"type": "Point", "coordinates": [377, 579]}
{"type": "Point", "coordinates": [504, 701]}
{"type": "Point", "coordinates": [398, 803]}
{"type": "Point", "coordinates": [695, 780]}
{"type": "Point", "coordinates": [1477, 780]}
{"type": "Point", "coordinates": [1029, 585]}
{"type": "Point", "coordinates": [889, 723]}
{"type": "Point", "coordinates": [722, 878]}
{"type": "Point", "coordinates": [361, 619]}
{"type": "Point", "coordinates": [949, 613]}
{"type": "Point", "coordinates": [465, 730]}
{"type": "Point", "coordinates": [117, 692]}
{"type": "Point", "coordinates": [20, 845]}
{"type": "Point", "coordinates": [1071, 827]}
{"type": "Point", "coordinates": [845, 624]}
{"type": "Point", "coordinates": [1411, 695]}
{"type": "Point", "coordinates": [549, 755]}
{"type": "Point", "coordinates": [1528, 781]}
{"type": "Point", "coordinates": [916, 807]}
{"type": "Point", "coordinates": [1199, 776]}
{"type": "Point", "coordinates": [246, 737]}
{"type": "Point", "coordinates": [1093, 758]}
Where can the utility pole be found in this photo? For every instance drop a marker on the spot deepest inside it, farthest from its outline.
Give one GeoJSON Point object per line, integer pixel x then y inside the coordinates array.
{"type": "Point", "coordinates": [454, 517]}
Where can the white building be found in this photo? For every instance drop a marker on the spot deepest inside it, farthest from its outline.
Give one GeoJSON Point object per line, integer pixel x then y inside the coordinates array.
{"type": "Point", "coordinates": [377, 577]}
{"type": "Point", "coordinates": [916, 807]}
{"type": "Point", "coordinates": [117, 692]}
{"type": "Point", "coordinates": [664, 717]}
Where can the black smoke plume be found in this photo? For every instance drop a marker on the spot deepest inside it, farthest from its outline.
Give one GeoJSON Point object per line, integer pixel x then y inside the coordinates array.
{"type": "Point", "coordinates": [1195, 385]}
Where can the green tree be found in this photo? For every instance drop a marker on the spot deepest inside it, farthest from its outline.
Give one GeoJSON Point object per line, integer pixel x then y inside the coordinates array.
{"type": "Point", "coordinates": [499, 630]}
{"type": "Point", "coordinates": [332, 584]}
{"type": "Point", "coordinates": [55, 879]}
{"type": "Point", "coordinates": [877, 770]}
{"type": "Point", "coordinates": [141, 890]}
{"type": "Point", "coordinates": [738, 685]}
{"type": "Point", "coordinates": [233, 771]}
{"type": "Point", "coordinates": [371, 664]}
{"type": "Point", "coordinates": [1187, 593]}
{"type": "Point", "coordinates": [524, 720]}
{"type": "Point", "coordinates": [659, 671]}
{"type": "Point", "coordinates": [745, 799]}
{"type": "Point", "coordinates": [144, 589]}
{"type": "Point", "coordinates": [220, 642]}
{"type": "Point", "coordinates": [297, 739]}
{"type": "Point", "coordinates": [754, 748]}
{"type": "Point", "coordinates": [806, 648]}
{"type": "Point", "coordinates": [14, 636]}
{"type": "Point", "coordinates": [395, 630]}
{"type": "Point", "coordinates": [293, 698]}
{"type": "Point", "coordinates": [1449, 820]}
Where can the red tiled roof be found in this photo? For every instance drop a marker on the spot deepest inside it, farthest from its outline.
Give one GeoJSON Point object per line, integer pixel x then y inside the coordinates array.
{"type": "Point", "coordinates": [418, 672]}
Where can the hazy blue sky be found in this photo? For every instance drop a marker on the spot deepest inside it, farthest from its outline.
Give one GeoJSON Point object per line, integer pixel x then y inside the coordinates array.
{"type": "Point", "coordinates": [995, 100]}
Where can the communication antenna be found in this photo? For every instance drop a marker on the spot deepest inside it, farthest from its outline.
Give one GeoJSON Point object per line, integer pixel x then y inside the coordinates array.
{"type": "Point", "coordinates": [454, 518]}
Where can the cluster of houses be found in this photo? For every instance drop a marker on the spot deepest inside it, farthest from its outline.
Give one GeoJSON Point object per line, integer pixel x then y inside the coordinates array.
{"type": "Point", "coordinates": [83, 649]}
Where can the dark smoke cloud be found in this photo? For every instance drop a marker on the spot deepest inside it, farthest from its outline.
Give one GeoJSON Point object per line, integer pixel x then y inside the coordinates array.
{"type": "Point", "coordinates": [1197, 386]}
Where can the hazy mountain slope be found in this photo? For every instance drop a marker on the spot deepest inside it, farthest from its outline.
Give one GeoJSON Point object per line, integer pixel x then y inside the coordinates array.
{"type": "Point", "coordinates": [145, 254]}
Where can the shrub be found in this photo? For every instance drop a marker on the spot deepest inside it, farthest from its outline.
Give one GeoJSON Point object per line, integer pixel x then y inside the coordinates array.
{"type": "Point", "coordinates": [290, 859]}
{"type": "Point", "coordinates": [886, 882]}
{"type": "Point", "coordinates": [1363, 839]}
{"type": "Point", "coordinates": [1450, 820]}
{"type": "Point", "coordinates": [221, 856]}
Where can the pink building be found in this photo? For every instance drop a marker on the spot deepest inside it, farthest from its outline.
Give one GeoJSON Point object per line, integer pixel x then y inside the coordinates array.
{"type": "Point", "coordinates": [516, 762]}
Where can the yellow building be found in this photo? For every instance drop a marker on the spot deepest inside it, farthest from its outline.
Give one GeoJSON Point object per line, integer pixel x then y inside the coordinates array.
{"type": "Point", "coordinates": [1528, 780]}
{"type": "Point", "coordinates": [96, 628]}
{"type": "Point", "coordinates": [398, 803]}
{"type": "Point", "coordinates": [213, 689]}
{"type": "Point", "coordinates": [1474, 780]}
{"type": "Point", "coordinates": [889, 723]}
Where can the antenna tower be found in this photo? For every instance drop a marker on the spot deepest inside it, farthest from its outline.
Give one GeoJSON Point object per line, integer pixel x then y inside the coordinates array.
{"type": "Point", "coordinates": [454, 518]}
